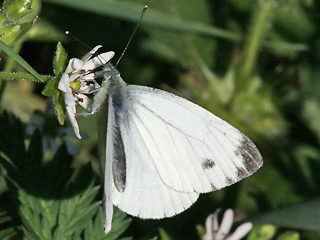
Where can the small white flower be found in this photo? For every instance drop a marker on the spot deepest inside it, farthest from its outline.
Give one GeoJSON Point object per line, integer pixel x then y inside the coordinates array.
{"type": "Point", "coordinates": [213, 232]}
{"type": "Point", "coordinates": [78, 80]}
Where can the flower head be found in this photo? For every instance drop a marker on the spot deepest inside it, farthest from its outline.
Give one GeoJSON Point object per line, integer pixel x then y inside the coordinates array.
{"type": "Point", "coordinates": [78, 81]}
{"type": "Point", "coordinates": [214, 232]}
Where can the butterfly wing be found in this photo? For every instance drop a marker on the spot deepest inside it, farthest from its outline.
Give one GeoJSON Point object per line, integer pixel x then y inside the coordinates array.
{"type": "Point", "coordinates": [145, 195]}
{"type": "Point", "coordinates": [175, 150]}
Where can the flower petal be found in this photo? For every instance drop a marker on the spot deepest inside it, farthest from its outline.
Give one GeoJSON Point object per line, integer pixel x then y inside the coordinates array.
{"type": "Point", "coordinates": [71, 110]}
{"type": "Point", "coordinates": [241, 231]}
{"type": "Point", "coordinates": [64, 84]}
{"type": "Point", "coordinates": [69, 100]}
{"type": "Point", "coordinates": [74, 76]}
{"type": "Point", "coordinates": [98, 61]}
{"type": "Point", "coordinates": [88, 77]}
{"type": "Point", "coordinates": [209, 228]}
{"type": "Point", "coordinates": [215, 220]}
{"type": "Point", "coordinates": [89, 54]}
{"type": "Point", "coordinates": [226, 224]}
{"type": "Point", "coordinates": [84, 101]}
{"type": "Point", "coordinates": [74, 64]}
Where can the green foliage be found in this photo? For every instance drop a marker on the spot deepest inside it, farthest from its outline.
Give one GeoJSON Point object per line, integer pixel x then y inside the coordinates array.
{"type": "Point", "coordinates": [267, 232]}
{"type": "Point", "coordinates": [17, 17]}
{"type": "Point", "coordinates": [51, 89]}
{"type": "Point", "coordinates": [54, 200]}
{"type": "Point", "coordinates": [300, 216]}
{"type": "Point", "coordinates": [263, 232]}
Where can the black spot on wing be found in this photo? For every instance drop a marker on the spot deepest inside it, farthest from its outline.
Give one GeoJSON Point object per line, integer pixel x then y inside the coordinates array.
{"type": "Point", "coordinates": [229, 181]}
{"type": "Point", "coordinates": [251, 157]}
{"type": "Point", "coordinates": [208, 164]}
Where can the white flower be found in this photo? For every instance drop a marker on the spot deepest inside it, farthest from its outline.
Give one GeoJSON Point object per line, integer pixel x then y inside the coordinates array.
{"type": "Point", "coordinates": [78, 81]}
{"type": "Point", "coordinates": [213, 232]}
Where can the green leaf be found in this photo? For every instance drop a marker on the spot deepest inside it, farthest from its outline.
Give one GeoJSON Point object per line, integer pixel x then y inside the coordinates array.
{"type": "Point", "coordinates": [8, 233]}
{"type": "Point", "coordinates": [69, 219]}
{"type": "Point", "coordinates": [21, 61]}
{"type": "Point", "coordinates": [95, 229]}
{"type": "Point", "coordinates": [60, 60]}
{"type": "Point", "coordinates": [17, 9]}
{"type": "Point", "coordinates": [55, 202]}
{"type": "Point", "coordinates": [60, 107]}
{"type": "Point", "coordinates": [8, 33]}
{"type": "Point", "coordinates": [311, 114]}
{"type": "Point", "coordinates": [163, 234]}
{"type": "Point", "coordinates": [264, 232]}
{"type": "Point", "coordinates": [51, 88]}
{"type": "Point", "coordinates": [59, 66]}
{"type": "Point", "coordinates": [131, 11]}
{"type": "Point", "coordinates": [304, 216]}
{"type": "Point", "coordinates": [201, 231]}
{"type": "Point", "coordinates": [190, 51]}
{"type": "Point", "coordinates": [119, 224]}
{"type": "Point", "coordinates": [289, 236]}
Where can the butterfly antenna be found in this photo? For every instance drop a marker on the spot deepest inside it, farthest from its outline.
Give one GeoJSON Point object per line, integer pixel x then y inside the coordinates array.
{"type": "Point", "coordinates": [77, 39]}
{"type": "Point", "coordinates": [83, 43]}
{"type": "Point", "coordinates": [134, 31]}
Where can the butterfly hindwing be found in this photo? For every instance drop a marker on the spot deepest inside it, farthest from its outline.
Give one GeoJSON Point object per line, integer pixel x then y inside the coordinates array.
{"type": "Point", "coordinates": [145, 195]}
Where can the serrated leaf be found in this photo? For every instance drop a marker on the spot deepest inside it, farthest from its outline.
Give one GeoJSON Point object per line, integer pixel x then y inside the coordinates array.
{"type": "Point", "coordinates": [95, 229]}
{"type": "Point", "coordinates": [8, 233]}
{"type": "Point", "coordinates": [75, 213]}
{"type": "Point", "coordinates": [46, 189]}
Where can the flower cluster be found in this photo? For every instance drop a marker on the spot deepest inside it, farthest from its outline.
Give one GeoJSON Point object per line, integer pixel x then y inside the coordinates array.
{"type": "Point", "coordinates": [213, 232]}
{"type": "Point", "coordinates": [78, 81]}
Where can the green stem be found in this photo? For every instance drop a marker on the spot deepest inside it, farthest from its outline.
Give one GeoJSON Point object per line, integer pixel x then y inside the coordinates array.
{"type": "Point", "coordinates": [9, 66]}
{"type": "Point", "coordinates": [10, 62]}
{"type": "Point", "coordinates": [20, 60]}
{"type": "Point", "coordinates": [20, 76]}
{"type": "Point", "coordinates": [260, 22]}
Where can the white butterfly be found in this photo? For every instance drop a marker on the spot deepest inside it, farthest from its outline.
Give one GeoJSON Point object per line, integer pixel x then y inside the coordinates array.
{"type": "Point", "coordinates": [162, 150]}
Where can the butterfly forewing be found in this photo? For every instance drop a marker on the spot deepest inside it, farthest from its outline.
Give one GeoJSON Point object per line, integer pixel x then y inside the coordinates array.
{"type": "Point", "coordinates": [191, 149]}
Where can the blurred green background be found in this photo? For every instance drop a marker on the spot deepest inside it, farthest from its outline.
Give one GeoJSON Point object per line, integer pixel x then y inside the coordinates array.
{"type": "Point", "coordinates": [255, 64]}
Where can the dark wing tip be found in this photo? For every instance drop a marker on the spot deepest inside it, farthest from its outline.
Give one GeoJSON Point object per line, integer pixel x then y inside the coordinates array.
{"type": "Point", "coordinates": [251, 157]}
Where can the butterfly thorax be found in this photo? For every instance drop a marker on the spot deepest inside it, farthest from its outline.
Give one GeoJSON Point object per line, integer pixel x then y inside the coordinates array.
{"type": "Point", "coordinates": [112, 84]}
